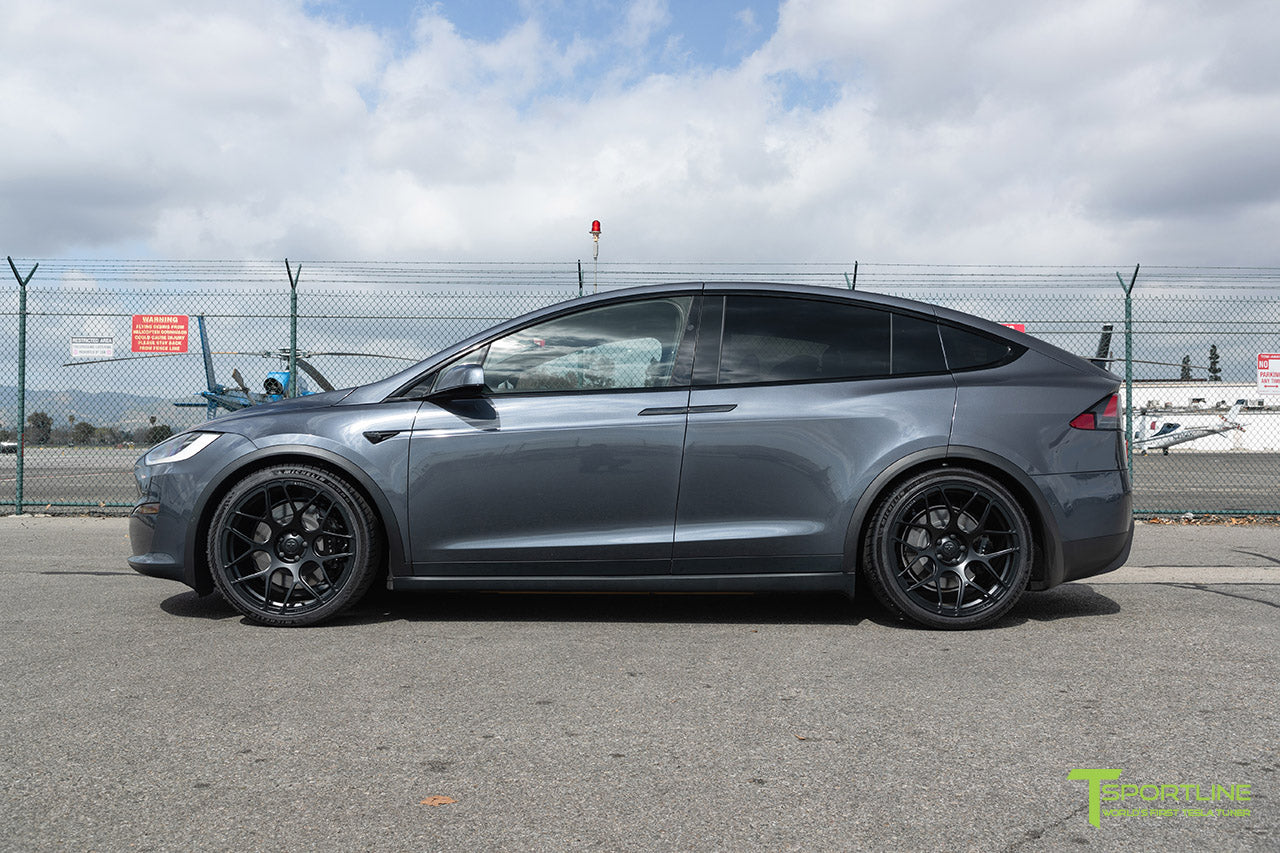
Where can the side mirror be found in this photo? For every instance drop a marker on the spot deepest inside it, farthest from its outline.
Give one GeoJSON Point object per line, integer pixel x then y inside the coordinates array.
{"type": "Point", "coordinates": [460, 377]}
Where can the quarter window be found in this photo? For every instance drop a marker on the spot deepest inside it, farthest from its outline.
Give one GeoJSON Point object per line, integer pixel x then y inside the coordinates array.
{"type": "Point", "coordinates": [967, 350]}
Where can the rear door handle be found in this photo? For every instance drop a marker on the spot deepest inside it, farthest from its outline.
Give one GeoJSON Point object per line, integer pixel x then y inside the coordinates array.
{"type": "Point", "coordinates": [665, 410]}
{"type": "Point", "coordinates": [709, 410]}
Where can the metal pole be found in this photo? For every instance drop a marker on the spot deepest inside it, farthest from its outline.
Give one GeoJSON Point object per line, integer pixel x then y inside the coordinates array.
{"type": "Point", "coordinates": [22, 379]}
{"type": "Point", "coordinates": [293, 326]}
{"type": "Point", "coordinates": [580, 285]}
{"type": "Point", "coordinates": [1128, 366]}
{"type": "Point", "coordinates": [852, 282]}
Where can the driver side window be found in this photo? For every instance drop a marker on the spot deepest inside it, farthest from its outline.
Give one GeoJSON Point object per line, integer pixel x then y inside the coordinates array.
{"type": "Point", "coordinates": [613, 347]}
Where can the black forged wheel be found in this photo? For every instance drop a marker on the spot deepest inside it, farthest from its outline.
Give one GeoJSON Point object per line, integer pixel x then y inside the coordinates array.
{"type": "Point", "coordinates": [949, 549]}
{"type": "Point", "coordinates": [293, 545]}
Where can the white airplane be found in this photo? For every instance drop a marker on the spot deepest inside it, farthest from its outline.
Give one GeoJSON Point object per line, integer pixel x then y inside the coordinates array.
{"type": "Point", "coordinates": [1157, 435]}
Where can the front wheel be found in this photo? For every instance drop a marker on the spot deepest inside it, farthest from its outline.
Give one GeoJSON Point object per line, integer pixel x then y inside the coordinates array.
{"type": "Point", "coordinates": [949, 549]}
{"type": "Point", "coordinates": [293, 545]}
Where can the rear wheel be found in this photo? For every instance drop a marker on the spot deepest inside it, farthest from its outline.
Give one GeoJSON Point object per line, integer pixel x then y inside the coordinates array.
{"type": "Point", "coordinates": [949, 549]}
{"type": "Point", "coordinates": [293, 545]}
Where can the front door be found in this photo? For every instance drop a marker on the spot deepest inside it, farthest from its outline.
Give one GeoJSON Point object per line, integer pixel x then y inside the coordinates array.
{"type": "Point", "coordinates": [569, 461]}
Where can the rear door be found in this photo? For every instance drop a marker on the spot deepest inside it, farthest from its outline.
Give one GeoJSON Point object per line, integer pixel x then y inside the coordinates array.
{"type": "Point", "coordinates": [796, 407]}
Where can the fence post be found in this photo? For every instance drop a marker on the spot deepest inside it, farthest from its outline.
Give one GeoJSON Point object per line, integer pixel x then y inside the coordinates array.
{"type": "Point", "coordinates": [1128, 366]}
{"type": "Point", "coordinates": [579, 276]}
{"type": "Point", "coordinates": [22, 381]}
{"type": "Point", "coordinates": [293, 326]}
{"type": "Point", "coordinates": [852, 282]}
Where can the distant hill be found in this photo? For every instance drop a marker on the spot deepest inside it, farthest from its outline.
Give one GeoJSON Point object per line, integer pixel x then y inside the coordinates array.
{"type": "Point", "coordinates": [100, 408]}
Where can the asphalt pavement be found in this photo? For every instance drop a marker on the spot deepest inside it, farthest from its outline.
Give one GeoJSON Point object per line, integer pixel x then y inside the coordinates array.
{"type": "Point", "coordinates": [135, 715]}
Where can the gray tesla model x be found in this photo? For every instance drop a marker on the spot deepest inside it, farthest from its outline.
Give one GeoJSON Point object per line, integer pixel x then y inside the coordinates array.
{"type": "Point", "coordinates": [703, 436]}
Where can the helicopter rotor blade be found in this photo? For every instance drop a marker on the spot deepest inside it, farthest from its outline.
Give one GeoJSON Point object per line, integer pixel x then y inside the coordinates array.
{"type": "Point", "coordinates": [1157, 363]}
{"type": "Point", "coordinates": [316, 375]}
{"type": "Point", "coordinates": [239, 380]}
{"type": "Point", "coordinates": [364, 355]}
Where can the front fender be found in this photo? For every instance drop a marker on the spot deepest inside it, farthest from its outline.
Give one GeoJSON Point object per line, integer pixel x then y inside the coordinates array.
{"type": "Point", "coordinates": [206, 504]}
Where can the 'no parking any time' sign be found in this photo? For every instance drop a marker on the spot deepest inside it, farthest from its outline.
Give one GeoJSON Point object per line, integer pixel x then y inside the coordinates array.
{"type": "Point", "coordinates": [1269, 374]}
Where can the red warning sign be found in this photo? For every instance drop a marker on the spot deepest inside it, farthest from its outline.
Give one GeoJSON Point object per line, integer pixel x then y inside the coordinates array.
{"type": "Point", "coordinates": [159, 333]}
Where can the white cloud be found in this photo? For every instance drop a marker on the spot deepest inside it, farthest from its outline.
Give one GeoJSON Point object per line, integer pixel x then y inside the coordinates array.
{"type": "Point", "coordinates": [1103, 131]}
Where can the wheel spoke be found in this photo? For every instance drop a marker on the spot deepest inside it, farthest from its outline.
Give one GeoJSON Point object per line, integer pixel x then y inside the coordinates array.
{"type": "Point", "coordinates": [255, 545]}
{"type": "Point", "coordinates": [997, 577]}
{"type": "Point", "coordinates": [257, 519]}
{"type": "Point", "coordinates": [246, 578]}
{"type": "Point", "coordinates": [315, 595]}
{"type": "Point", "coordinates": [284, 605]}
{"type": "Point", "coordinates": [905, 544]}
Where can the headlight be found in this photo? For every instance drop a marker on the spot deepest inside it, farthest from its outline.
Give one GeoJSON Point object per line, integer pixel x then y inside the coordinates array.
{"type": "Point", "coordinates": [180, 447]}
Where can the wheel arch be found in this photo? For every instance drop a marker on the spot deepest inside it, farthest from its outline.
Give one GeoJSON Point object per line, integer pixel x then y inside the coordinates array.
{"type": "Point", "coordinates": [207, 503]}
{"type": "Point", "coordinates": [1046, 568]}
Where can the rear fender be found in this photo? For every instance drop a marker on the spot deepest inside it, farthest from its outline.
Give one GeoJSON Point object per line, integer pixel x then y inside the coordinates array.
{"type": "Point", "coordinates": [1047, 570]}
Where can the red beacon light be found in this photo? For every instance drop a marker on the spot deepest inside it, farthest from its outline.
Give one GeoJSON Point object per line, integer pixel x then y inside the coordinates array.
{"type": "Point", "coordinates": [595, 228]}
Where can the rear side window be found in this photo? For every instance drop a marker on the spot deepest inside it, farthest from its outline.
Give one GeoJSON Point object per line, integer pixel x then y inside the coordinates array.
{"type": "Point", "coordinates": [916, 346]}
{"type": "Point", "coordinates": [775, 339]}
{"type": "Point", "coordinates": [967, 350]}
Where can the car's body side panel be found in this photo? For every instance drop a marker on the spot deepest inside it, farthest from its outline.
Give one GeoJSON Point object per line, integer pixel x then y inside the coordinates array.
{"type": "Point", "coordinates": [1023, 411]}
{"type": "Point", "coordinates": [498, 483]}
{"type": "Point", "coordinates": [772, 472]}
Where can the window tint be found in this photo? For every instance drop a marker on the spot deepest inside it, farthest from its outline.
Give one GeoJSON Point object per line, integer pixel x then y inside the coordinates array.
{"type": "Point", "coordinates": [775, 339]}
{"type": "Point", "coordinates": [631, 345]}
{"type": "Point", "coordinates": [967, 350]}
{"type": "Point", "coordinates": [916, 346]}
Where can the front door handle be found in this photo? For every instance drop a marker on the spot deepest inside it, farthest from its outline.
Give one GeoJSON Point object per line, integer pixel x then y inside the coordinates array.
{"type": "Point", "coordinates": [689, 410]}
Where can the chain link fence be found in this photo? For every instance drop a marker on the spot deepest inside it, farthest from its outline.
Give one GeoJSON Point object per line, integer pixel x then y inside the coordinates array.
{"type": "Point", "coordinates": [78, 404]}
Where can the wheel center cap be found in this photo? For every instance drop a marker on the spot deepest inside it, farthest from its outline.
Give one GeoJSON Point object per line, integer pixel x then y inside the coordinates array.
{"type": "Point", "coordinates": [950, 550]}
{"type": "Point", "coordinates": [290, 546]}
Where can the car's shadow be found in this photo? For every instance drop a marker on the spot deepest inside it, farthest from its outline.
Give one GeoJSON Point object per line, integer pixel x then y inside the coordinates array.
{"type": "Point", "coordinates": [1070, 601]}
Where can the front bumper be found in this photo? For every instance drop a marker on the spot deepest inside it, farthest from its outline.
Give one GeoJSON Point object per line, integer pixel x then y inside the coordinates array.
{"type": "Point", "coordinates": [146, 560]}
{"type": "Point", "coordinates": [164, 522]}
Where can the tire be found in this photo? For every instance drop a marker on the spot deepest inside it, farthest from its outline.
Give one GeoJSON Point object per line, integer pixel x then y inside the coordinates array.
{"type": "Point", "coordinates": [948, 549]}
{"type": "Point", "coordinates": [293, 545]}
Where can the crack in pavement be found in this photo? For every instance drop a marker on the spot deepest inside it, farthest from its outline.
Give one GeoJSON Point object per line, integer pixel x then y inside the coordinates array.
{"type": "Point", "coordinates": [1256, 554]}
{"type": "Point", "coordinates": [1037, 834]}
{"type": "Point", "coordinates": [1206, 588]}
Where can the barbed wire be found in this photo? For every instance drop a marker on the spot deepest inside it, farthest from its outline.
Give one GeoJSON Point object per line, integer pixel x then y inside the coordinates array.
{"type": "Point", "coordinates": [542, 273]}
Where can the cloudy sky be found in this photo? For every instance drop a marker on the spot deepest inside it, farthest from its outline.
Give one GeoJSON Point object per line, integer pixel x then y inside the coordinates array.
{"type": "Point", "coordinates": [932, 131]}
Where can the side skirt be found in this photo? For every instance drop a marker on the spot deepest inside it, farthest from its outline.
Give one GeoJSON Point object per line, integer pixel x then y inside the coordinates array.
{"type": "Point", "coordinates": [810, 582]}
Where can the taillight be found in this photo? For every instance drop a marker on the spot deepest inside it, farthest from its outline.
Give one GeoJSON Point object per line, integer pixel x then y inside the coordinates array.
{"type": "Point", "coordinates": [1103, 415]}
